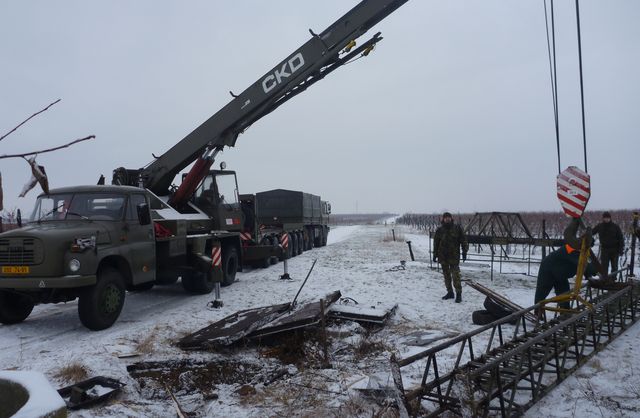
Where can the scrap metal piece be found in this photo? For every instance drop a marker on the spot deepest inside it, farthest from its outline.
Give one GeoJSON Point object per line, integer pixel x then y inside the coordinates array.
{"type": "Point", "coordinates": [254, 323]}
{"type": "Point", "coordinates": [90, 391]}
{"type": "Point", "coordinates": [232, 328]}
{"type": "Point", "coordinates": [304, 316]}
{"type": "Point", "coordinates": [501, 300]}
{"type": "Point", "coordinates": [358, 313]}
{"type": "Point", "coordinates": [427, 337]}
{"type": "Point", "coordinates": [293, 303]}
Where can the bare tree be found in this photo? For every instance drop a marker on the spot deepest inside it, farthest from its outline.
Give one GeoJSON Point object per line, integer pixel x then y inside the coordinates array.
{"type": "Point", "coordinates": [38, 173]}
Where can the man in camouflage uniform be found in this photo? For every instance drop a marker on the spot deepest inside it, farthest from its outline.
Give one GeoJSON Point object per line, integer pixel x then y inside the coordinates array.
{"type": "Point", "coordinates": [447, 242]}
{"type": "Point", "coordinates": [611, 242]}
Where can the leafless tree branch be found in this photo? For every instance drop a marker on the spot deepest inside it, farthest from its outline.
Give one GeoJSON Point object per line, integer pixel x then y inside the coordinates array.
{"type": "Point", "coordinates": [26, 120]}
{"type": "Point", "coordinates": [47, 150]}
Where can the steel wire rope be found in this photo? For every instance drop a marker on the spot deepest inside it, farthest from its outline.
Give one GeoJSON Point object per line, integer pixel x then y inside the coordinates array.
{"type": "Point", "coordinates": [554, 78]}
{"type": "Point", "coordinates": [584, 132]}
{"type": "Point", "coordinates": [553, 74]}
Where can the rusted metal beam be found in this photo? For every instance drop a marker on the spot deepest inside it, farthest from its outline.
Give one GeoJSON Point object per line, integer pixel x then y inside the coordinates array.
{"type": "Point", "coordinates": [510, 375]}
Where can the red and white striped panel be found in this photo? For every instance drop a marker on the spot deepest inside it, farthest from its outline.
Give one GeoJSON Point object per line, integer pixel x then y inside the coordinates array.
{"type": "Point", "coordinates": [284, 240]}
{"type": "Point", "coordinates": [216, 257]}
{"type": "Point", "coordinates": [245, 236]}
{"type": "Point", "coordinates": [574, 190]}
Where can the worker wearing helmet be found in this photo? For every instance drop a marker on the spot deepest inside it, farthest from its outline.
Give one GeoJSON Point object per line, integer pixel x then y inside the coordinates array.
{"type": "Point", "coordinates": [447, 242]}
{"type": "Point", "coordinates": [559, 266]}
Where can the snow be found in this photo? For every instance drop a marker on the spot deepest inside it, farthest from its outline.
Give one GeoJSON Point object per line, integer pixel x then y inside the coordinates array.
{"type": "Point", "coordinates": [361, 262]}
{"type": "Point", "coordinates": [43, 399]}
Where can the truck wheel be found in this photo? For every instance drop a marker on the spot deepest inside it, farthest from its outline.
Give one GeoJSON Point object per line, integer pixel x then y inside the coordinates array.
{"type": "Point", "coordinates": [100, 305]}
{"type": "Point", "coordinates": [229, 266]}
{"type": "Point", "coordinates": [317, 241]}
{"type": "Point", "coordinates": [198, 282]}
{"type": "Point", "coordinates": [187, 282]}
{"type": "Point", "coordinates": [14, 307]}
{"type": "Point", "coordinates": [166, 277]}
{"type": "Point", "coordinates": [300, 242]}
{"type": "Point", "coordinates": [482, 317]}
{"type": "Point", "coordinates": [289, 249]}
{"type": "Point", "coordinates": [310, 239]}
{"type": "Point", "coordinates": [293, 243]}
{"type": "Point", "coordinates": [497, 310]}
{"type": "Point", "coordinates": [143, 286]}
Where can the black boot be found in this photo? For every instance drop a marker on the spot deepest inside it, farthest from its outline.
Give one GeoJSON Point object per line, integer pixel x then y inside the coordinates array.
{"type": "Point", "coordinates": [458, 297]}
{"type": "Point", "coordinates": [449, 295]}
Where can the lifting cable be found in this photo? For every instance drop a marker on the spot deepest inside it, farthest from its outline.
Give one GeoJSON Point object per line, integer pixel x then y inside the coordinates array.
{"type": "Point", "coordinates": [552, 71]}
{"type": "Point", "coordinates": [584, 134]}
{"type": "Point", "coordinates": [554, 78]}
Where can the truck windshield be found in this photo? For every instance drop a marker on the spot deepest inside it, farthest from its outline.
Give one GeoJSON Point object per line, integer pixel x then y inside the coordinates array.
{"type": "Point", "coordinates": [95, 206]}
{"type": "Point", "coordinates": [228, 188]}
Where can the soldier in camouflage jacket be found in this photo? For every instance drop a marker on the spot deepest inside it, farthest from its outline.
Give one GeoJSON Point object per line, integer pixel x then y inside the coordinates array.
{"type": "Point", "coordinates": [447, 243]}
{"type": "Point", "coordinates": [611, 242]}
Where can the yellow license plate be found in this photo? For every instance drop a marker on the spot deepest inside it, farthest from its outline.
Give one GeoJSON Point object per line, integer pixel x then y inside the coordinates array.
{"type": "Point", "coordinates": [15, 269]}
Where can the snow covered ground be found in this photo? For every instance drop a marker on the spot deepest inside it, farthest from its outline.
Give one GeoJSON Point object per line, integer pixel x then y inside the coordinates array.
{"type": "Point", "coordinates": [360, 261]}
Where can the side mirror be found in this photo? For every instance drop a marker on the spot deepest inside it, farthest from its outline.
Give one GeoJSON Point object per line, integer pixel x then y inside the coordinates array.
{"type": "Point", "coordinates": [19, 218]}
{"type": "Point", "coordinates": [144, 217]}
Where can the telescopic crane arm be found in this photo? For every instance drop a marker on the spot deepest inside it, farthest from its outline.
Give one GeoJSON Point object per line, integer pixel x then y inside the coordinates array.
{"type": "Point", "coordinates": [319, 56]}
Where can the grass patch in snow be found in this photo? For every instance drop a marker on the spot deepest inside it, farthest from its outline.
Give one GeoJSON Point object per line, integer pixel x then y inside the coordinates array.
{"type": "Point", "coordinates": [74, 372]}
{"type": "Point", "coordinates": [369, 345]}
{"type": "Point", "coordinates": [388, 237]}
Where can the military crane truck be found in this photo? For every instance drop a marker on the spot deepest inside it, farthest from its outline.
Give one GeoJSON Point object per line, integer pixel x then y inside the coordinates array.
{"type": "Point", "coordinates": [302, 217]}
{"type": "Point", "coordinates": [95, 242]}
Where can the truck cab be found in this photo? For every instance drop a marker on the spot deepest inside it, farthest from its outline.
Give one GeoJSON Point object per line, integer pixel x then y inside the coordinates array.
{"type": "Point", "coordinates": [74, 237]}
{"type": "Point", "coordinates": [217, 196]}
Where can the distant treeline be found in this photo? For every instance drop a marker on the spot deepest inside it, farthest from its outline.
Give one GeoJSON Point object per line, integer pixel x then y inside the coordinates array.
{"type": "Point", "coordinates": [360, 218]}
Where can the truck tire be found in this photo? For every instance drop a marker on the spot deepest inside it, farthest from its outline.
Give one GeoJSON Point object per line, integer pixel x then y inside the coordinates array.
{"type": "Point", "coordinates": [497, 310]}
{"type": "Point", "coordinates": [265, 262]}
{"type": "Point", "coordinates": [166, 277]}
{"type": "Point", "coordinates": [317, 242]}
{"type": "Point", "coordinates": [293, 243]}
{"type": "Point", "coordinates": [187, 283]}
{"type": "Point", "coordinates": [14, 307]}
{"type": "Point", "coordinates": [300, 236]}
{"type": "Point", "coordinates": [325, 235]}
{"type": "Point", "coordinates": [482, 317]}
{"type": "Point", "coordinates": [100, 305]}
{"type": "Point", "coordinates": [310, 238]}
{"type": "Point", "coordinates": [229, 266]}
{"type": "Point", "coordinates": [142, 287]}
{"type": "Point", "coordinates": [200, 283]}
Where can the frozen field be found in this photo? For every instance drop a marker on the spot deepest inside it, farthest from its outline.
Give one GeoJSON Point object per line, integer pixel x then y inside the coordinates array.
{"type": "Point", "coordinates": [286, 379]}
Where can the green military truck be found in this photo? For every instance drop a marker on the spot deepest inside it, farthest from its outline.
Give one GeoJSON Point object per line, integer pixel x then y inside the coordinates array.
{"type": "Point", "coordinates": [270, 215]}
{"type": "Point", "coordinates": [95, 242]}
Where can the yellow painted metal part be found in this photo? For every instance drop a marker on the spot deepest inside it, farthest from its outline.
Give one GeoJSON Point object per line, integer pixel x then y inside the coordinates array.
{"type": "Point", "coordinates": [573, 295]}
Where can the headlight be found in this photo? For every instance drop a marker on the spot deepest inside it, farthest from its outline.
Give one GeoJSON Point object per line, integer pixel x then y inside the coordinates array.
{"type": "Point", "coordinates": [74, 265]}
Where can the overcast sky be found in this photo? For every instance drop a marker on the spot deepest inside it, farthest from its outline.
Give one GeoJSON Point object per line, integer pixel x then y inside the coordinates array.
{"type": "Point", "coordinates": [453, 110]}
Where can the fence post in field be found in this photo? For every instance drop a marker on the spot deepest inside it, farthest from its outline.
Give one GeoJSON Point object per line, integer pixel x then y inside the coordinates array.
{"type": "Point", "coordinates": [634, 229]}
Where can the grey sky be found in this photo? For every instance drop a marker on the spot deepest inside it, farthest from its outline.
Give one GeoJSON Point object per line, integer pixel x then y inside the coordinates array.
{"type": "Point", "coordinates": [452, 111]}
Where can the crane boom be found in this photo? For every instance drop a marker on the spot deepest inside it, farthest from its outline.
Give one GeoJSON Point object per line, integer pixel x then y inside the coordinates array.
{"type": "Point", "coordinates": [316, 58]}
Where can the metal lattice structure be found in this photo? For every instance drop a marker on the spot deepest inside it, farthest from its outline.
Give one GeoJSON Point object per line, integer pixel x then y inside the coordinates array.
{"type": "Point", "coordinates": [505, 367]}
{"type": "Point", "coordinates": [503, 228]}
